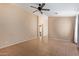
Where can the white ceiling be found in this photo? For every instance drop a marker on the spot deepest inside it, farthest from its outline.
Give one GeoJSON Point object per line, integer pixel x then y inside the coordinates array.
{"type": "Point", "coordinates": [63, 9]}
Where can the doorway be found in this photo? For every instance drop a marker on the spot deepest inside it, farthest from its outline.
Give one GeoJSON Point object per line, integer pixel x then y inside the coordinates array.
{"type": "Point", "coordinates": [43, 28]}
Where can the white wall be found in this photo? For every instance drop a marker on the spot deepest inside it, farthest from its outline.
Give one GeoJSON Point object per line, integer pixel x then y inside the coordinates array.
{"type": "Point", "coordinates": [61, 28]}
{"type": "Point", "coordinates": [16, 25]}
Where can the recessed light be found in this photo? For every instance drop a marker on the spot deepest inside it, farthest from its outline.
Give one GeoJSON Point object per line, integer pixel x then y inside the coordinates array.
{"type": "Point", "coordinates": [55, 12]}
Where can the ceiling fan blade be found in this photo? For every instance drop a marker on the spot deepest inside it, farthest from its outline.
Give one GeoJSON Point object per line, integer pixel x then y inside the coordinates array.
{"type": "Point", "coordinates": [46, 9]}
{"type": "Point", "coordinates": [33, 7]}
{"type": "Point", "coordinates": [35, 11]}
{"type": "Point", "coordinates": [43, 4]}
{"type": "Point", "coordinates": [41, 12]}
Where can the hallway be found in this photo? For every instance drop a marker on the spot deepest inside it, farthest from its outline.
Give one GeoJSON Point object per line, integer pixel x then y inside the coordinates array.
{"type": "Point", "coordinates": [41, 48]}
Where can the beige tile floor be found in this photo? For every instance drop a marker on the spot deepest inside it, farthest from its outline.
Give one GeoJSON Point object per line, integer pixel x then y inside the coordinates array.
{"type": "Point", "coordinates": [38, 47]}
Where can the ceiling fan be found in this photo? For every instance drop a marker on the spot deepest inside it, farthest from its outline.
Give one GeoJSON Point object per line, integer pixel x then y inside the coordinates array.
{"type": "Point", "coordinates": [40, 8]}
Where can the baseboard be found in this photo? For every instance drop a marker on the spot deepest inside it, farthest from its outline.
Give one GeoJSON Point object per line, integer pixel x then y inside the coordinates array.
{"type": "Point", "coordinates": [13, 43]}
